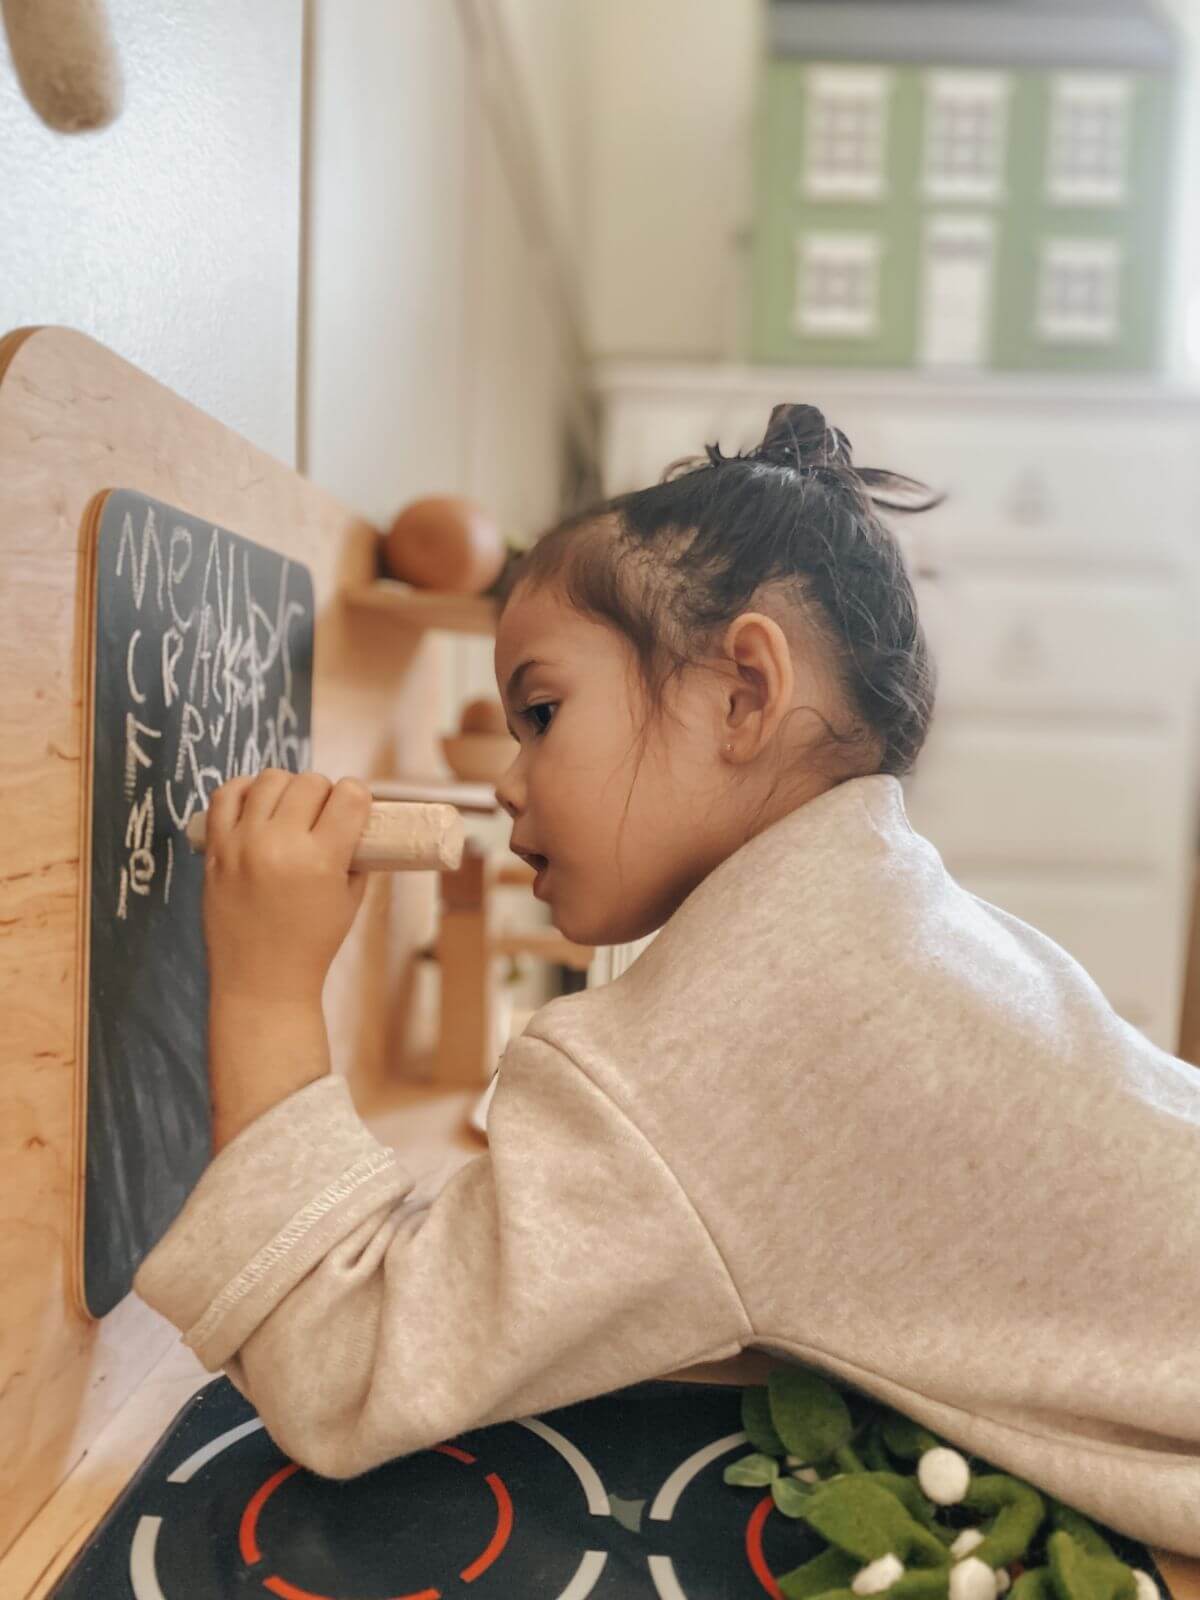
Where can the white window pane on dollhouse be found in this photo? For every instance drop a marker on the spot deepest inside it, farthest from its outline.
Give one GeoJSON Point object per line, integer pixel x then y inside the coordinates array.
{"type": "Point", "coordinates": [956, 298]}
{"type": "Point", "coordinates": [846, 133]}
{"type": "Point", "coordinates": [966, 134]}
{"type": "Point", "coordinates": [1079, 295]}
{"type": "Point", "coordinates": [1088, 151]}
{"type": "Point", "coordinates": [837, 286]}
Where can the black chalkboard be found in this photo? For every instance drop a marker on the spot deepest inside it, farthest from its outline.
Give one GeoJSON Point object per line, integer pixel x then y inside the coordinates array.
{"type": "Point", "coordinates": [202, 670]}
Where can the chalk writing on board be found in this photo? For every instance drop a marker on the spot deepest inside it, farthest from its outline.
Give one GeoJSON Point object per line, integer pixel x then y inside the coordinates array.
{"type": "Point", "coordinates": [197, 671]}
{"type": "Point", "coordinates": [203, 671]}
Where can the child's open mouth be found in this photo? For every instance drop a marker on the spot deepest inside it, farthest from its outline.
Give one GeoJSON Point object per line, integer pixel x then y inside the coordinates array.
{"type": "Point", "coordinates": [538, 862]}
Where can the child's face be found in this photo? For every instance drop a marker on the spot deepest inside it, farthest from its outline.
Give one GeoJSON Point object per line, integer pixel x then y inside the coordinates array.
{"type": "Point", "coordinates": [625, 840]}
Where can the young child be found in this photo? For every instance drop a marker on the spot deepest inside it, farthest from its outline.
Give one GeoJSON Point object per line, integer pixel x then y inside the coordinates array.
{"type": "Point", "coordinates": [840, 1109]}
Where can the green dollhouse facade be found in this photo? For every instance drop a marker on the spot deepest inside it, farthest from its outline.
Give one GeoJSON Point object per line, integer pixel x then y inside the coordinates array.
{"type": "Point", "coordinates": [973, 185]}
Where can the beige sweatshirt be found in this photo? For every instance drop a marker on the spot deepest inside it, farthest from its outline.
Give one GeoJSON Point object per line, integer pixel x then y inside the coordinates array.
{"type": "Point", "coordinates": [840, 1109]}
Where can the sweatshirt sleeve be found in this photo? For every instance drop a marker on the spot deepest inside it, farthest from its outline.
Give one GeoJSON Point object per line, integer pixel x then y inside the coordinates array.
{"type": "Point", "coordinates": [365, 1321]}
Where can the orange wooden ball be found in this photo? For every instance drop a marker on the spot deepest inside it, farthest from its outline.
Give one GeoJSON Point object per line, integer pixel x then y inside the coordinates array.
{"type": "Point", "coordinates": [445, 542]}
{"type": "Point", "coordinates": [482, 716]}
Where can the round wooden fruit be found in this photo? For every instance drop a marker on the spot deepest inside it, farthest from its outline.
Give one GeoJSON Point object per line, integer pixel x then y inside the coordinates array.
{"type": "Point", "coordinates": [447, 543]}
{"type": "Point", "coordinates": [482, 716]}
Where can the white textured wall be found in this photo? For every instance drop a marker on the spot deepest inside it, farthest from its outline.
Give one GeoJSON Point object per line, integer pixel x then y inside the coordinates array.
{"type": "Point", "coordinates": [670, 105]}
{"type": "Point", "coordinates": [385, 299]}
{"type": "Point", "coordinates": [172, 236]}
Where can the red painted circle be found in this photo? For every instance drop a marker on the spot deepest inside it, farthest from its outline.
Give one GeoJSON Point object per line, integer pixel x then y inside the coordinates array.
{"type": "Point", "coordinates": [250, 1552]}
{"type": "Point", "coordinates": [754, 1549]}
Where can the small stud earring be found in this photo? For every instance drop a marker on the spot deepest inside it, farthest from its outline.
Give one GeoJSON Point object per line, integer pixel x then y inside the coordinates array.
{"type": "Point", "coordinates": [728, 749]}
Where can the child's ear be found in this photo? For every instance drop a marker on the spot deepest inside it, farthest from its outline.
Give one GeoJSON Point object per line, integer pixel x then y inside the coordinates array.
{"type": "Point", "coordinates": [761, 686]}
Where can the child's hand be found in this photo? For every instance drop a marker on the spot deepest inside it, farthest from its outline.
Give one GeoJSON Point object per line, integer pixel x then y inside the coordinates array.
{"type": "Point", "coordinates": [279, 896]}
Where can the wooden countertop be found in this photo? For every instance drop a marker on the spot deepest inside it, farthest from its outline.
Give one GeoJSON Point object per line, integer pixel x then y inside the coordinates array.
{"type": "Point", "coordinates": [427, 1123]}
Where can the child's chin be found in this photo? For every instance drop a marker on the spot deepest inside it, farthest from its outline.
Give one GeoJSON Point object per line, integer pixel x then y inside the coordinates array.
{"type": "Point", "coordinates": [595, 930]}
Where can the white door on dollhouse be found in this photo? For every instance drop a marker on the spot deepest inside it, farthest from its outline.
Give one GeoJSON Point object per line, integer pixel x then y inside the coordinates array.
{"type": "Point", "coordinates": [956, 299]}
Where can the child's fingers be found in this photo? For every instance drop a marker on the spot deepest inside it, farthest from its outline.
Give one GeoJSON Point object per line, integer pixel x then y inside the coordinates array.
{"type": "Point", "coordinates": [303, 799]}
{"type": "Point", "coordinates": [224, 810]}
{"type": "Point", "coordinates": [266, 791]}
{"type": "Point", "coordinates": [344, 817]}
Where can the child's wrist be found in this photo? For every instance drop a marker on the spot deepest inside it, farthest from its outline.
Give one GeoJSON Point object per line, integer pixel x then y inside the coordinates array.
{"type": "Point", "coordinates": [261, 1050]}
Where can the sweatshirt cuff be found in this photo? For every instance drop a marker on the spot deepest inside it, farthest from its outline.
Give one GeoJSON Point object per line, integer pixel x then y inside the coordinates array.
{"type": "Point", "coordinates": [275, 1200]}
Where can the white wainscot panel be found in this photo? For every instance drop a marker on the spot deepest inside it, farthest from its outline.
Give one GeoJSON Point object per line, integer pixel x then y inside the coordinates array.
{"type": "Point", "coordinates": [1114, 928]}
{"type": "Point", "coordinates": [1053, 645]}
{"type": "Point", "coordinates": [1048, 796]}
{"type": "Point", "coordinates": [1048, 490]}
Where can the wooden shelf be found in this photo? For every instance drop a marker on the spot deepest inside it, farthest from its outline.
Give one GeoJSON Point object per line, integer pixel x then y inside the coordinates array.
{"type": "Point", "coordinates": [425, 608]}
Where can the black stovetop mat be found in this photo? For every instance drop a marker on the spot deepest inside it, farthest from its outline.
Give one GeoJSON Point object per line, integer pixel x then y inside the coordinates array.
{"type": "Point", "coordinates": [618, 1498]}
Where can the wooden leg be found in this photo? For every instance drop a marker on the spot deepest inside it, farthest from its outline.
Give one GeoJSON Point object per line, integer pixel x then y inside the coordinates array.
{"type": "Point", "coordinates": [466, 1030]}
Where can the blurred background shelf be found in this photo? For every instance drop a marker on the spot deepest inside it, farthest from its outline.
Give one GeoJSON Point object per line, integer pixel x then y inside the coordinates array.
{"type": "Point", "coordinates": [479, 798]}
{"type": "Point", "coordinates": [426, 608]}
{"type": "Point", "coordinates": [545, 945]}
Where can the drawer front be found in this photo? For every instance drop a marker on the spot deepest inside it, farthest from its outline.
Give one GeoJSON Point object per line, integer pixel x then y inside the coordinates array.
{"type": "Point", "coordinates": [1060, 490]}
{"type": "Point", "coordinates": [1128, 936]}
{"type": "Point", "coordinates": [1049, 488]}
{"type": "Point", "coordinates": [993, 796]}
{"type": "Point", "coordinates": [1056, 646]}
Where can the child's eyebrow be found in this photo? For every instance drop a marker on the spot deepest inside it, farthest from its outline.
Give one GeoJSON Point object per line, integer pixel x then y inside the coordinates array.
{"type": "Point", "coordinates": [514, 681]}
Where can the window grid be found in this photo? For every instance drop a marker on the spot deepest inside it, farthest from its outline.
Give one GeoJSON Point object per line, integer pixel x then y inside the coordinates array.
{"type": "Point", "coordinates": [1079, 300]}
{"type": "Point", "coordinates": [837, 287]}
{"type": "Point", "coordinates": [846, 135]}
{"type": "Point", "coordinates": [1089, 142]}
{"type": "Point", "coordinates": [966, 136]}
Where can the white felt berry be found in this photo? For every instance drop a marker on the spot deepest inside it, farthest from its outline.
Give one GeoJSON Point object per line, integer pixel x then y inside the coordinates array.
{"type": "Point", "coordinates": [807, 1474]}
{"type": "Point", "coordinates": [969, 1539]}
{"type": "Point", "coordinates": [1147, 1589]}
{"type": "Point", "coordinates": [972, 1579]}
{"type": "Point", "coordinates": [943, 1475]}
{"type": "Point", "coordinates": [1003, 1580]}
{"type": "Point", "coordinates": [880, 1575]}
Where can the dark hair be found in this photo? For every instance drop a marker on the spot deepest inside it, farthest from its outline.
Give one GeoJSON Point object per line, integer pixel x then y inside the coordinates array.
{"type": "Point", "coordinates": [672, 565]}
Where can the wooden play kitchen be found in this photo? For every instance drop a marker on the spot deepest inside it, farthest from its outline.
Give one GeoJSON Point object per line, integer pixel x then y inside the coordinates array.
{"type": "Point", "coordinates": [93, 454]}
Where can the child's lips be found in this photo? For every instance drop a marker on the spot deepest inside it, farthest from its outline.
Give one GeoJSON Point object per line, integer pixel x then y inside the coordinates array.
{"type": "Point", "coordinates": [538, 862]}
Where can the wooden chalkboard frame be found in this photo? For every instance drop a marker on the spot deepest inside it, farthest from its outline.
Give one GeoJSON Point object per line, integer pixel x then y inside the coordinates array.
{"type": "Point", "coordinates": [156, 752]}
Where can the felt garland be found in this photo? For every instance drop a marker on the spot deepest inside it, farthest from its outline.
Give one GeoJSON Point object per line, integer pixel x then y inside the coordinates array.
{"type": "Point", "coordinates": [881, 1525]}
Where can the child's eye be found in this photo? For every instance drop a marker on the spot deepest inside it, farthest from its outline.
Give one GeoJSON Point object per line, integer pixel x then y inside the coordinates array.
{"type": "Point", "coordinates": [530, 715]}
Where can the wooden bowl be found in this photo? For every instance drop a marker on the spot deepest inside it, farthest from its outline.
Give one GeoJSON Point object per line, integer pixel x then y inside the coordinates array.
{"type": "Point", "coordinates": [479, 757]}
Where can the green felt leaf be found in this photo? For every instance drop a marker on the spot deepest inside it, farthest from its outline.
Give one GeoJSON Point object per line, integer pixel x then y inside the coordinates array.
{"type": "Point", "coordinates": [808, 1413]}
{"type": "Point", "coordinates": [756, 1419]}
{"type": "Point", "coordinates": [867, 1521]}
{"type": "Point", "coordinates": [908, 1492]}
{"type": "Point", "coordinates": [752, 1472]}
{"type": "Point", "coordinates": [1081, 1530]}
{"type": "Point", "coordinates": [875, 1456]}
{"type": "Point", "coordinates": [1018, 1512]}
{"type": "Point", "coordinates": [790, 1496]}
{"type": "Point", "coordinates": [906, 1438]}
{"type": "Point", "coordinates": [831, 1570]}
{"type": "Point", "coordinates": [1034, 1584]}
{"type": "Point", "coordinates": [933, 1584]}
{"type": "Point", "coordinates": [1080, 1576]}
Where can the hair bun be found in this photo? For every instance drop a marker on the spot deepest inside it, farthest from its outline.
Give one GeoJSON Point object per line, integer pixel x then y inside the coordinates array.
{"type": "Point", "coordinates": [798, 436]}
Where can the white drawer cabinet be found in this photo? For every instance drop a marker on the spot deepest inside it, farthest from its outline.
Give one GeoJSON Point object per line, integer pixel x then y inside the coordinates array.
{"type": "Point", "coordinates": [1058, 585]}
{"type": "Point", "coordinates": [1101, 649]}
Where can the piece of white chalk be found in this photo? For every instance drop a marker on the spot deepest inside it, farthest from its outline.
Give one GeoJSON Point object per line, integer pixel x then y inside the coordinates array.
{"type": "Point", "coordinates": [400, 836]}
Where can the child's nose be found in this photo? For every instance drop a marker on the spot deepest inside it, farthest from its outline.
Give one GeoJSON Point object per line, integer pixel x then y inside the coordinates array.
{"type": "Point", "coordinates": [509, 792]}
